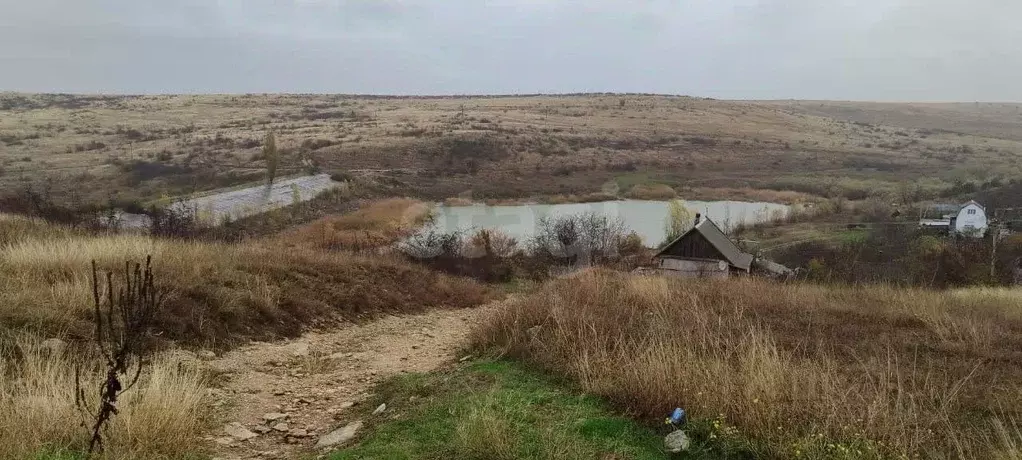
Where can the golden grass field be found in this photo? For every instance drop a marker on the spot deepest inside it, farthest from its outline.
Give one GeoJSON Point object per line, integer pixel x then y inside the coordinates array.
{"type": "Point", "coordinates": [505, 147]}
{"type": "Point", "coordinates": [799, 371]}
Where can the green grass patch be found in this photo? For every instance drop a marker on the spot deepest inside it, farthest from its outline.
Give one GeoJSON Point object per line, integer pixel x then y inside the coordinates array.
{"type": "Point", "coordinates": [496, 410]}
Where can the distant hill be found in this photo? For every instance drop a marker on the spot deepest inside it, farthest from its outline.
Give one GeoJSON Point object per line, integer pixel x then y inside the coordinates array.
{"type": "Point", "coordinates": [142, 147]}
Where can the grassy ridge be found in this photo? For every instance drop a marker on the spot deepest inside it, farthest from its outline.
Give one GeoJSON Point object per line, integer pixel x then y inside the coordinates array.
{"type": "Point", "coordinates": [497, 410]}
{"type": "Point", "coordinates": [142, 147]}
{"type": "Point", "coordinates": [810, 371]}
{"type": "Point", "coordinates": [219, 293]}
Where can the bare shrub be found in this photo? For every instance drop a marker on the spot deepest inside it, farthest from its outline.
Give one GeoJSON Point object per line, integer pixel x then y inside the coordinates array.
{"type": "Point", "coordinates": [583, 239]}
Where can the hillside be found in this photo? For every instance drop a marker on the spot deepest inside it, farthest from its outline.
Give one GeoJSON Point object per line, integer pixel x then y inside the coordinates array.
{"type": "Point", "coordinates": [142, 147]}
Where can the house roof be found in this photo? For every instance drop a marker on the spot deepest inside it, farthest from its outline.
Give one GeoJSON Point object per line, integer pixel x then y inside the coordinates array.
{"type": "Point", "coordinates": [975, 203]}
{"type": "Point", "coordinates": [719, 240]}
{"type": "Point", "coordinates": [951, 207]}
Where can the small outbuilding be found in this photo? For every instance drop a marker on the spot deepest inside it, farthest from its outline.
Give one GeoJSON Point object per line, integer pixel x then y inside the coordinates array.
{"type": "Point", "coordinates": [703, 251]}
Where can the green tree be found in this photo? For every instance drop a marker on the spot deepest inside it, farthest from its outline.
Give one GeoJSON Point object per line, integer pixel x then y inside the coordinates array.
{"type": "Point", "coordinates": [270, 154]}
{"type": "Point", "coordinates": [678, 221]}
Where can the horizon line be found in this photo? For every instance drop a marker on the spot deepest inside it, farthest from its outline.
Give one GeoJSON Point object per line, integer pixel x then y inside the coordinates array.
{"type": "Point", "coordinates": [495, 96]}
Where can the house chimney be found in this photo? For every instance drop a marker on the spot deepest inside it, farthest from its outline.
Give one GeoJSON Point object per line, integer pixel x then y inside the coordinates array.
{"type": "Point", "coordinates": [698, 217]}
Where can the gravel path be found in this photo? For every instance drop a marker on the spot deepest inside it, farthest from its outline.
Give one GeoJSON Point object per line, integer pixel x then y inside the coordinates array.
{"type": "Point", "coordinates": [306, 387]}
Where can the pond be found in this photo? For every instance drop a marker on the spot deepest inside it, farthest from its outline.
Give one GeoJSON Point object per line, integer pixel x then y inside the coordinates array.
{"type": "Point", "coordinates": [646, 218]}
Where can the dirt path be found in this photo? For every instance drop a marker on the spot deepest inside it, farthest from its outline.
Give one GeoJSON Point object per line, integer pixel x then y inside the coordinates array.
{"type": "Point", "coordinates": [314, 379]}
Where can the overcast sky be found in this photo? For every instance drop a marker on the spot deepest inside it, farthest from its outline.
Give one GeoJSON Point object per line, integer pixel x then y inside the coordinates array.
{"type": "Point", "coordinates": [962, 50]}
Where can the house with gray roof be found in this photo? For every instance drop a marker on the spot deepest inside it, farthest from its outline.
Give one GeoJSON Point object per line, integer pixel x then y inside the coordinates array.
{"type": "Point", "coordinates": [703, 251]}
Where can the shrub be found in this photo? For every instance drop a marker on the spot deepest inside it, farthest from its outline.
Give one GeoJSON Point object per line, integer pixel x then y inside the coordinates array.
{"type": "Point", "coordinates": [651, 192]}
{"type": "Point", "coordinates": [583, 239]}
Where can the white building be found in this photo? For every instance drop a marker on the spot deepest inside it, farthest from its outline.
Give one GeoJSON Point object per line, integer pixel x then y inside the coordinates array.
{"type": "Point", "coordinates": [969, 219]}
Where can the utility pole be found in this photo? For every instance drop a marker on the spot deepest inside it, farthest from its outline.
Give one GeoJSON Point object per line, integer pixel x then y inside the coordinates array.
{"type": "Point", "coordinates": [996, 227]}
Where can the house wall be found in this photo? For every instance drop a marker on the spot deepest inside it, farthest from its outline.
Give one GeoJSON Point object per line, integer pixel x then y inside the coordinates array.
{"type": "Point", "coordinates": [693, 268]}
{"type": "Point", "coordinates": [694, 245]}
{"type": "Point", "coordinates": [968, 223]}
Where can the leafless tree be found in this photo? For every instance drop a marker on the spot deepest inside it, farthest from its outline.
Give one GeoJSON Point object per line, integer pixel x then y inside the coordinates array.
{"type": "Point", "coordinates": [587, 238]}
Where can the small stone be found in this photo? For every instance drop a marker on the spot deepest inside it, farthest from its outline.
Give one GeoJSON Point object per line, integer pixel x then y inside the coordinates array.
{"type": "Point", "coordinates": [346, 404]}
{"type": "Point", "coordinates": [274, 416]}
{"type": "Point", "coordinates": [677, 441]}
{"type": "Point", "coordinates": [238, 431]}
{"type": "Point", "coordinates": [262, 429]}
{"type": "Point", "coordinates": [340, 435]}
{"type": "Point", "coordinates": [300, 350]}
{"type": "Point", "coordinates": [281, 427]}
{"type": "Point", "coordinates": [279, 392]}
{"type": "Point", "coordinates": [298, 433]}
{"type": "Point", "coordinates": [379, 409]}
{"type": "Point", "coordinates": [224, 441]}
{"type": "Point", "coordinates": [415, 347]}
{"type": "Point", "coordinates": [372, 372]}
{"type": "Point", "coordinates": [206, 354]}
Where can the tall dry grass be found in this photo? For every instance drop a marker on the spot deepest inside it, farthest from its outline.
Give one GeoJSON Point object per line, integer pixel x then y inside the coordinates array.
{"type": "Point", "coordinates": [160, 418]}
{"type": "Point", "coordinates": [219, 293]}
{"type": "Point", "coordinates": [378, 223]}
{"type": "Point", "coordinates": [652, 192]}
{"type": "Point", "coordinates": [810, 371]}
{"type": "Point", "coordinates": [14, 228]}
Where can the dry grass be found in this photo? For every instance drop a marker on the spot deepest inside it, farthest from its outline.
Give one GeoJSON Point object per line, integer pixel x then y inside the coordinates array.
{"type": "Point", "coordinates": [811, 371]}
{"type": "Point", "coordinates": [544, 145]}
{"type": "Point", "coordinates": [15, 228]}
{"type": "Point", "coordinates": [379, 223]}
{"type": "Point", "coordinates": [747, 194]}
{"type": "Point", "coordinates": [161, 418]}
{"type": "Point", "coordinates": [220, 293]}
{"type": "Point", "coordinates": [652, 192]}
{"type": "Point", "coordinates": [458, 201]}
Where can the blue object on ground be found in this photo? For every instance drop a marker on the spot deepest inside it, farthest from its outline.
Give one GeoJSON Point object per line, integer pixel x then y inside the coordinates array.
{"type": "Point", "coordinates": [678, 416]}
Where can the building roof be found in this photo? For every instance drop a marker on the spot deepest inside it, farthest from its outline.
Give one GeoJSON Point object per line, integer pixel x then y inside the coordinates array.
{"type": "Point", "coordinates": [975, 203]}
{"type": "Point", "coordinates": [951, 207]}
{"type": "Point", "coordinates": [719, 240]}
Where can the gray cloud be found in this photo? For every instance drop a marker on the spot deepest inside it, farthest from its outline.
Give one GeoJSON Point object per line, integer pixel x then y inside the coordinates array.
{"type": "Point", "coordinates": [834, 49]}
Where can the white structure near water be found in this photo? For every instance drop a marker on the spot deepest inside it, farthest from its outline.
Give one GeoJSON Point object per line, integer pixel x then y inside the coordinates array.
{"type": "Point", "coordinates": [215, 208]}
{"type": "Point", "coordinates": [969, 219]}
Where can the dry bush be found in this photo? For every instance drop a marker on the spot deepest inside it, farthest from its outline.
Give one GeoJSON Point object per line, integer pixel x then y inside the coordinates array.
{"type": "Point", "coordinates": [800, 370]}
{"type": "Point", "coordinates": [219, 292]}
{"type": "Point", "coordinates": [161, 417]}
{"type": "Point", "coordinates": [652, 192]}
{"type": "Point", "coordinates": [377, 224]}
{"type": "Point", "coordinates": [746, 194]}
{"type": "Point", "coordinates": [458, 201]}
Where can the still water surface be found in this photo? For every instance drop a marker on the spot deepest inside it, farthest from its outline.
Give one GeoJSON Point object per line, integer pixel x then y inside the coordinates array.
{"type": "Point", "coordinates": [644, 217]}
